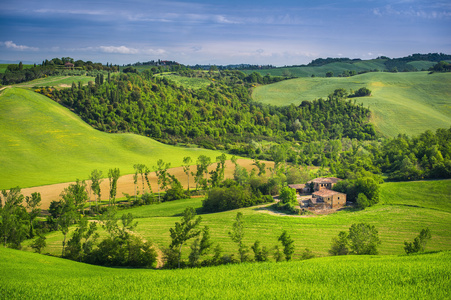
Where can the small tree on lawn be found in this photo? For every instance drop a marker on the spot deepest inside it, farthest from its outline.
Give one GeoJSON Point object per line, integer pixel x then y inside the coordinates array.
{"type": "Point", "coordinates": [288, 245]}
{"type": "Point", "coordinates": [184, 231]}
{"type": "Point", "coordinates": [419, 243]}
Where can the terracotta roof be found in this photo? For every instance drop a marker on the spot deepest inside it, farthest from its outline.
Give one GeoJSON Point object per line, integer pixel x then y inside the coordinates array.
{"type": "Point", "coordinates": [326, 193]}
{"type": "Point", "coordinates": [297, 186]}
{"type": "Point", "coordinates": [325, 180]}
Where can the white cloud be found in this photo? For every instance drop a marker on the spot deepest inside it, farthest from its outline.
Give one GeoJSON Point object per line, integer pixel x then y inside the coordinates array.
{"type": "Point", "coordinates": [71, 11]}
{"type": "Point", "coordinates": [417, 12]}
{"type": "Point", "coordinates": [12, 45]}
{"type": "Point", "coordinates": [120, 50]}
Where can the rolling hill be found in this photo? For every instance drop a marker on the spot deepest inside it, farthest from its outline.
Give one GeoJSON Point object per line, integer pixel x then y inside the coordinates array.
{"type": "Point", "coordinates": [33, 276]}
{"type": "Point", "coordinates": [399, 217]}
{"type": "Point", "coordinates": [44, 143]}
{"type": "Point", "coordinates": [407, 103]}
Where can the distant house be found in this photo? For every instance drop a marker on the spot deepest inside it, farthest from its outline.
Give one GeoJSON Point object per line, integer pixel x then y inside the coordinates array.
{"type": "Point", "coordinates": [323, 183]}
{"type": "Point", "coordinates": [331, 199]}
{"type": "Point", "coordinates": [69, 65]}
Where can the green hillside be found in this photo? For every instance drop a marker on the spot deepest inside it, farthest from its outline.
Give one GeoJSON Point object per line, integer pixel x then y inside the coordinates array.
{"type": "Point", "coordinates": [33, 276]}
{"type": "Point", "coordinates": [339, 67]}
{"type": "Point", "coordinates": [56, 81]}
{"type": "Point", "coordinates": [44, 143]}
{"type": "Point", "coordinates": [407, 103]}
{"type": "Point", "coordinates": [399, 217]}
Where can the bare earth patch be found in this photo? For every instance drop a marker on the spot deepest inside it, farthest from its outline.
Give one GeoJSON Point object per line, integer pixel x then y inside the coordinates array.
{"type": "Point", "coordinates": [125, 183]}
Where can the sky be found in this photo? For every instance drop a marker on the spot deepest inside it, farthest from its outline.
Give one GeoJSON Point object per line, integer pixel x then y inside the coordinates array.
{"type": "Point", "coordinates": [283, 32]}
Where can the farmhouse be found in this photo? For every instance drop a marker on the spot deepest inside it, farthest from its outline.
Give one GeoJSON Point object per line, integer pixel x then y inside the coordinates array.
{"type": "Point", "coordinates": [323, 197]}
{"type": "Point", "coordinates": [323, 183]}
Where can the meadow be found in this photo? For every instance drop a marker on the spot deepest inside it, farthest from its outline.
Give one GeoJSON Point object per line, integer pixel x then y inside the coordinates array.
{"type": "Point", "coordinates": [56, 81]}
{"type": "Point", "coordinates": [45, 143]}
{"type": "Point", "coordinates": [406, 103]}
{"type": "Point", "coordinates": [428, 276]}
{"type": "Point", "coordinates": [399, 217]}
{"type": "Point", "coordinates": [338, 68]}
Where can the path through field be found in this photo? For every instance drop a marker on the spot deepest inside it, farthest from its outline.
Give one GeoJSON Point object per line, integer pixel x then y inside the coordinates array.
{"type": "Point", "coordinates": [125, 183]}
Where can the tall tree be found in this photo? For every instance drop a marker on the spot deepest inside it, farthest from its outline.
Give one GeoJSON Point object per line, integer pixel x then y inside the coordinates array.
{"type": "Point", "coordinates": [184, 230]}
{"type": "Point", "coordinates": [187, 167]}
{"type": "Point", "coordinates": [113, 176]}
{"type": "Point", "coordinates": [237, 236]}
{"type": "Point", "coordinates": [288, 245]}
{"type": "Point", "coordinates": [203, 162]}
{"type": "Point", "coordinates": [96, 180]}
{"type": "Point", "coordinates": [200, 247]}
{"type": "Point", "coordinates": [14, 224]}
{"type": "Point", "coordinates": [71, 199]}
{"type": "Point", "coordinates": [217, 175]}
{"type": "Point", "coordinates": [34, 210]}
{"type": "Point", "coordinates": [162, 175]}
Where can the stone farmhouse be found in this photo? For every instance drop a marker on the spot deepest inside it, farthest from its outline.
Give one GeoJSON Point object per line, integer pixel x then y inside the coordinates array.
{"type": "Point", "coordinates": [322, 195]}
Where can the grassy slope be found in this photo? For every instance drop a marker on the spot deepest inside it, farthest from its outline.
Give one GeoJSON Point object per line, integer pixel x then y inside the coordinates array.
{"type": "Point", "coordinates": [33, 276]}
{"type": "Point", "coordinates": [338, 68]}
{"type": "Point", "coordinates": [44, 143]}
{"type": "Point", "coordinates": [407, 103]}
{"type": "Point", "coordinates": [399, 217]}
{"type": "Point", "coordinates": [56, 81]}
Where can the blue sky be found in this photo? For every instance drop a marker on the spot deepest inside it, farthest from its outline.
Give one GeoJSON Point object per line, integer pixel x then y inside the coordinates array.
{"type": "Point", "coordinates": [222, 32]}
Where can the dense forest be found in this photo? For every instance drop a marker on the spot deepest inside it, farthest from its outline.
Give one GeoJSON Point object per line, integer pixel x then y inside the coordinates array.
{"type": "Point", "coordinates": [215, 117]}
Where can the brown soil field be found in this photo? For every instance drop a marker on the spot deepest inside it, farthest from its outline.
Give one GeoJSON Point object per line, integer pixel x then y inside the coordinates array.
{"type": "Point", "coordinates": [125, 183]}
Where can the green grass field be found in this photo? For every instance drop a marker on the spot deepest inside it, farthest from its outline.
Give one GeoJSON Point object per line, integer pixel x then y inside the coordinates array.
{"type": "Point", "coordinates": [338, 68]}
{"type": "Point", "coordinates": [44, 143]}
{"type": "Point", "coordinates": [399, 217]}
{"type": "Point", "coordinates": [33, 276]}
{"type": "Point", "coordinates": [407, 103]}
{"type": "Point", "coordinates": [56, 81]}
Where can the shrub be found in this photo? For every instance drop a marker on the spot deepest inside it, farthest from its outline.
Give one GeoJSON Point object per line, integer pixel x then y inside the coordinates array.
{"type": "Point", "coordinates": [232, 197]}
{"type": "Point", "coordinates": [419, 243]}
{"type": "Point", "coordinates": [307, 254]}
